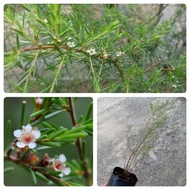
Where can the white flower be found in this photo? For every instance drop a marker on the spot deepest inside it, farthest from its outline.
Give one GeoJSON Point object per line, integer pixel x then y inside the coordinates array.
{"type": "Point", "coordinates": [71, 44]}
{"type": "Point", "coordinates": [50, 43]}
{"type": "Point", "coordinates": [69, 38]}
{"type": "Point", "coordinates": [27, 136]}
{"type": "Point", "coordinates": [59, 165]}
{"type": "Point", "coordinates": [105, 55]}
{"type": "Point", "coordinates": [45, 20]}
{"type": "Point", "coordinates": [39, 101]}
{"type": "Point", "coordinates": [91, 51]}
{"type": "Point", "coordinates": [119, 54]}
{"type": "Point", "coordinates": [174, 86]}
{"type": "Point", "coordinates": [42, 83]}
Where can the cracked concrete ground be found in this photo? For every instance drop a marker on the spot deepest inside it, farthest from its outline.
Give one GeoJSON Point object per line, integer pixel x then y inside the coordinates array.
{"type": "Point", "coordinates": [166, 163]}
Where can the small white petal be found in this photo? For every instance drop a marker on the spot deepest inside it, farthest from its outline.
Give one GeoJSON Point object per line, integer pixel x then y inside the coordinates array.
{"type": "Point", "coordinates": [32, 145]}
{"type": "Point", "coordinates": [52, 160]}
{"type": "Point", "coordinates": [36, 133]}
{"type": "Point", "coordinates": [45, 20]}
{"type": "Point", "coordinates": [28, 128]}
{"type": "Point", "coordinates": [91, 51]}
{"type": "Point", "coordinates": [67, 171]}
{"type": "Point", "coordinates": [62, 158]}
{"type": "Point", "coordinates": [20, 144]}
{"type": "Point", "coordinates": [17, 133]}
{"type": "Point", "coordinates": [71, 44]}
{"type": "Point", "coordinates": [61, 175]}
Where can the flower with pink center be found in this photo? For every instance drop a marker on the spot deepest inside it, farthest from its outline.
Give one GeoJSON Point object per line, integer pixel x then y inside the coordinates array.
{"type": "Point", "coordinates": [27, 136]}
{"type": "Point", "coordinates": [39, 101]}
{"type": "Point", "coordinates": [59, 165]}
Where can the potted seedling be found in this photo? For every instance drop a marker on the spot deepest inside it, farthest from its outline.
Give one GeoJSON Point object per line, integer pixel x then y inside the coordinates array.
{"type": "Point", "coordinates": [154, 125]}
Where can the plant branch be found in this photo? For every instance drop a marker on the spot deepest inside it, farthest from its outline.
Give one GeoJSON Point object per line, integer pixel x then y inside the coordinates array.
{"type": "Point", "coordinates": [119, 69]}
{"type": "Point", "coordinates": [72, 112]}
{"type": "Point", "coordinates": [151, 67]}
{"type": "Point", "coordinates": [145, 143]}
{"type": "Point", "coordinates": [45, 47]}
{"type": "Point", "coordinates": [78, 142]}
{"type": "Point", "coordinates": [36, 168]}
{"type": "Point", "coordinates": [39, 47]}
{"type": "Point", "coordinates": [74, 121]}
{"type": "Point", "coordinates": [158, 14]}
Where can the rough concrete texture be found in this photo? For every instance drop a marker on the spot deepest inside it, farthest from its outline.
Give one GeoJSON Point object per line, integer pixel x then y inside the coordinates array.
{"type": "Point", "coordinates": [166, 163]}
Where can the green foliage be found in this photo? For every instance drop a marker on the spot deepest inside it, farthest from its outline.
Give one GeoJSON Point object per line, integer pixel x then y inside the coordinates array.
{"type": "Point", "coordinates": [7, 142]}
{"type": "Point", "coordinates": [62, 48]}
{"type": "Point", "coordinates": [159, 113]}
{"type": "Point", "coordinates": [53, 136]}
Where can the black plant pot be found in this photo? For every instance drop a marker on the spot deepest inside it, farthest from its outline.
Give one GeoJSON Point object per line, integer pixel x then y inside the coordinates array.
{"type": "Point", "coordinates": [116, 180]}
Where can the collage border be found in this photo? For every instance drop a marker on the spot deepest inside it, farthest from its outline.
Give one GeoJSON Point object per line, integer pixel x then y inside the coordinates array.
{"type": "Point", "coordinates": [95, 96]}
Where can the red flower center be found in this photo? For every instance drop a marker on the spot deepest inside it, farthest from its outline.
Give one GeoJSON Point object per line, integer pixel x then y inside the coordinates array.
{"type": "Point", "coordinates": [27, 139]}
{"type": "Point", "coordinates": [58, 166]}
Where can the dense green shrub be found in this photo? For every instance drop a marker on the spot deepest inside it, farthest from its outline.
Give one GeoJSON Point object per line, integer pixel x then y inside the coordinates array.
{"type": "Point", "coordinates": [94, 48]}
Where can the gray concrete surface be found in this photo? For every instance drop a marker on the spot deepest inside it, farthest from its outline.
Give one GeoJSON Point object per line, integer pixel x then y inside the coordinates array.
{"type": "Point", "coordinates": [166, 163]}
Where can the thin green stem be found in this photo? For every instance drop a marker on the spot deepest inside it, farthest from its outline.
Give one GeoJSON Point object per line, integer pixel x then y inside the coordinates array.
{"type": "Point", "coordinates": [8, 134]}
{"type": "Point", "coordinates": [101, 66]}
{"type": "Point", "coordinates": [23, 112]}
{"type": "Point", "coordinates": [95, 80]}
{"type": "Point", "coordinates": [55, 17]}
{"type": "Point", "coordinates": [57, 73]}
{"type": "Point", "coordinates": [31, 70]}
